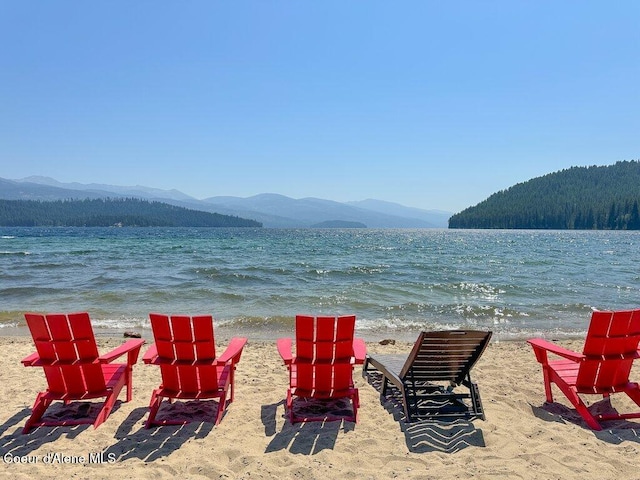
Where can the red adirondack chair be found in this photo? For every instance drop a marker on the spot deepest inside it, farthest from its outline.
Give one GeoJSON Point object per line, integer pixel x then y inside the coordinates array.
{"type": "Point", "coordinates": [66, 350]}
{"type": "Point", "coordinates": [185, 350]}
{"type": "Point", "coordinates": [603, 368]}
{"type": "Point", "coordinates": [322, 367]}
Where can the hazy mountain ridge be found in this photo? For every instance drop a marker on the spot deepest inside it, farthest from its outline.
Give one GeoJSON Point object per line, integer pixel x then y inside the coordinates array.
{"type": "Point", "coordinates": [272, 210]}
{"type": "Point", "coordinates": [391, 208]}
{"type": "Point", "coordinates": [310, 211]}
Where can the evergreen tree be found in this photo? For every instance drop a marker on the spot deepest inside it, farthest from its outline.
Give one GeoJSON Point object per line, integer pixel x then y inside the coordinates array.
{"type": "Point", "coordinates": [576, 198]}
{"type": "Point", "coordinates": [110, 212]}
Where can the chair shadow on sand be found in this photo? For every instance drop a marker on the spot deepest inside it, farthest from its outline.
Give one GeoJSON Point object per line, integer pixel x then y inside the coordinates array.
{"type": "Point", "coordinates": [157, 442]}
{"type": "Point", "coordinates": [433, 435]}
{"type": "Point", "coordinates": [307, 438]}
{"type": "Point", "coordinates": [19, 444]}
{"type": "Point", "coordinates": [614, 431]}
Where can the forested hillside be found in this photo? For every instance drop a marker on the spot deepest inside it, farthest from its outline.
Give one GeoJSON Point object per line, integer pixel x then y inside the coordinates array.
{"type": "Point", "coordinates": [110, 212]}
{"type": "Point", "coordinates": [581, 198]}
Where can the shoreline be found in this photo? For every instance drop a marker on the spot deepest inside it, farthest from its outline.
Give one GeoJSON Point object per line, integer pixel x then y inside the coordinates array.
{"type": "Point", "coordinates": [272, 334]}
{"type": "Point", "coordinates": [519, 438]}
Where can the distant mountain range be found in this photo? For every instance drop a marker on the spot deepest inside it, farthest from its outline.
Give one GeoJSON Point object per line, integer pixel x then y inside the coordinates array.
{"type": "Point", "coordinates": [272, 210]}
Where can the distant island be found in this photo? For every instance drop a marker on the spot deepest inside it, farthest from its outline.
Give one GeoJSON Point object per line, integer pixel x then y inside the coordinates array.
{"type": "Point", "coordinates": [579, 198]}
{"type": "Point", "coordinates": [128, 212]}
{"type": "Point", "coordinates": [338, 224]}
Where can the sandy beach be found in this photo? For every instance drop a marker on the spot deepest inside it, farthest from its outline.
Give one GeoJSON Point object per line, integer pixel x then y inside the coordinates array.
{"type": "Point", "coordinates": [521, 438]}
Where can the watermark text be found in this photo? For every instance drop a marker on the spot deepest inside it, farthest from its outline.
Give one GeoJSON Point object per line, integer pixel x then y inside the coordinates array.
{"type": "Point", "coordinates": [58, 458]}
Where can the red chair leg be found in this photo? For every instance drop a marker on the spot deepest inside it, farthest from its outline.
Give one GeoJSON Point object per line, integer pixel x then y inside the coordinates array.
{"type": "Point", "coordinates": [39, 407]}
{"type": "Point", "coordinates": [154, 406]}
{"type": "Point", "coordinates": [581, 408]}
{"type": "Point", "coordinates": [547, 384]}
{"type": "Point", "coordinates": [105, 410]}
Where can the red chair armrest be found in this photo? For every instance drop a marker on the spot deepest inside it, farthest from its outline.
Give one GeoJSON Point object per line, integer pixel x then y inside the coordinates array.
{"type": "Point", "coordinates": [31, 359]}
{"type": "Point", "coordinates": [151, 354]}
{"type": "Point", "coordinates": [284, 349]}
{"type": "Point", "coordinates": [233, 351]}
{"type": "Point", "coordinates": [131, 347]}
{"type": "Point", "coordinates": [359, 350]}
{"type": "Point", "coordinates": [541, 347]}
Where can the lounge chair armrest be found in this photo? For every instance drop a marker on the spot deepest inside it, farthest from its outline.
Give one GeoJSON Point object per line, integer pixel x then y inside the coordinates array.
{"type": "Point", "coordinates": [151, 354]}
{"type": "Point", "coordinates": [131, 348]}
{"type": "Point", "coordinates": [284, 349]}
{"type": "Point", "coordinates": [233, 351]}
{"type": "Point", "coordinates": [359, 350]}
{"type": "Point", "coordinates": [379, 364]}
{"type": "Point", "coordinates": [31, 359]}
{"type": "Point", "coordinates": [541, 347]}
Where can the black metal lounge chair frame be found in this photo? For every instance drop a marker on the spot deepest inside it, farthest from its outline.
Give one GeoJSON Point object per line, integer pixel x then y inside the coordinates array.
{"type": "Point", "coordinates": [421, 378]}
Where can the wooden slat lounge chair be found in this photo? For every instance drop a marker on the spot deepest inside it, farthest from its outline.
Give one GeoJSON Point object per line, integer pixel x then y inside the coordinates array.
{"type": "Point", "coordinates": [66, 350]}
{"type": "Point", "coordinates": [185, 350]}
{"type": "Point", "coordinates": [603, 368]}
{"type": "Point", "coordinates": [322, 367]}
{"type": "Point", "coordinates": [427, 379]}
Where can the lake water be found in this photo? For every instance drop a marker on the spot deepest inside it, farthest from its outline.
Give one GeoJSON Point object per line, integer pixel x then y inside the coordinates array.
{"type": "Point", "coordinates": [515, 283]}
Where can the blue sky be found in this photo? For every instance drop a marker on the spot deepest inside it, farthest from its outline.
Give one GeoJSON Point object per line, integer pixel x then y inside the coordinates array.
{"type": "Point", "coordinates": [430, 104]}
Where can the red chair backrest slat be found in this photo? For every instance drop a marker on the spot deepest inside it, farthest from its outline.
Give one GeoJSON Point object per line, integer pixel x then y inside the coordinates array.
{"type": "Point", "coordinates": [324, 352]}
{"type": "Point", "coordinates": [324, 378]}
{"type": "Point", "coordinates": [610, 347]}
{"type": "Point", "coordinates": [67, 349]}
{"type": "Point", "coordinates": [186, 347]}
{"type": "Point", "coordinates": [325, 339]}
